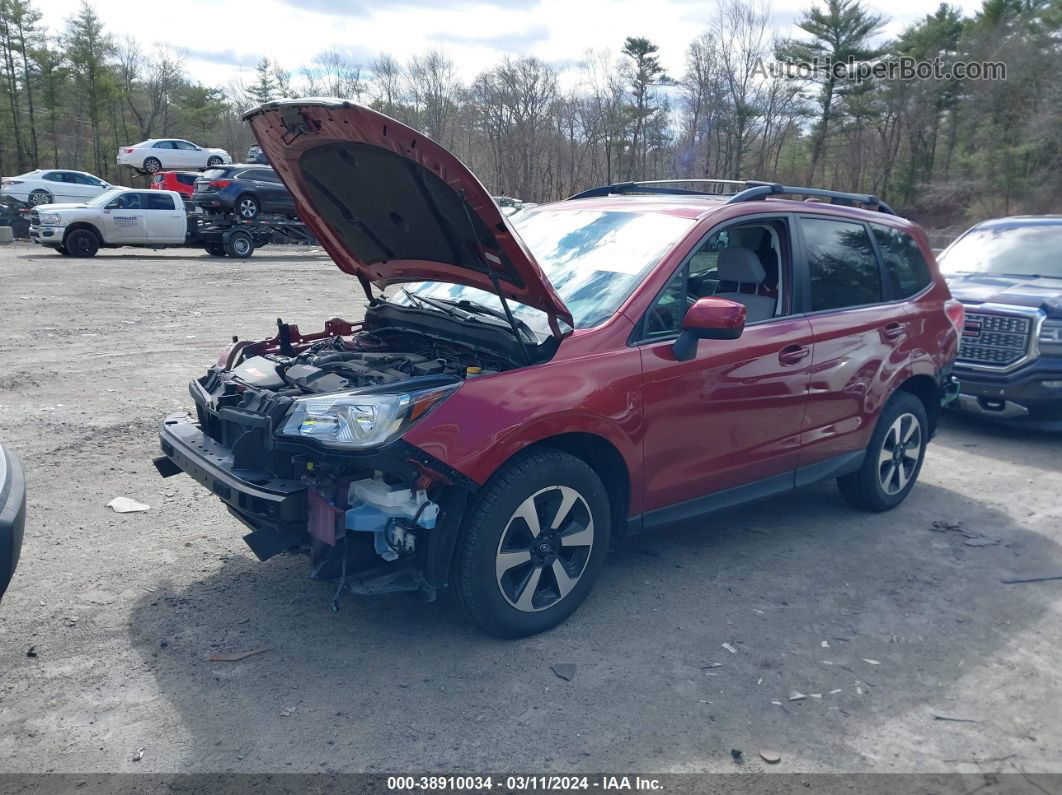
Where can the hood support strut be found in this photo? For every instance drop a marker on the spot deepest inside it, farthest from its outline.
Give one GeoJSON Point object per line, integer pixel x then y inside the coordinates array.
{"type": "Point", "coordinates": [485, 259]}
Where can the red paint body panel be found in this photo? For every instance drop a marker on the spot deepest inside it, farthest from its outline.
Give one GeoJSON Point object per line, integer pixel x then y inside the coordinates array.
{"type": "Point", "coordinates": [788, 393]}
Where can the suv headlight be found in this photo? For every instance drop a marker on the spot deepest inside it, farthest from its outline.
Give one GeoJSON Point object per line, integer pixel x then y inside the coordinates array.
{"type": "Point", "coordinates": [1051, 337]}
{"type": "Point", "coordinates": [50, 219]}
{"type": "Point", "coordinates": [359, 421]}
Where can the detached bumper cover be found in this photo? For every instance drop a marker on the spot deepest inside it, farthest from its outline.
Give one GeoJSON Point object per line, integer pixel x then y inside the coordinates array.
{"type": "Point", "coordinates": [12, 515]}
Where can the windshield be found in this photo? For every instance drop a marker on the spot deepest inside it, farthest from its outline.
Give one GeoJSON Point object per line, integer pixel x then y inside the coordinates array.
{"type": "Point", "coordinates": [104, 197]}
{"type": "Point", "coordinates": [1021, 250]}
{"type": "Point", "coordinates": [592, 258]}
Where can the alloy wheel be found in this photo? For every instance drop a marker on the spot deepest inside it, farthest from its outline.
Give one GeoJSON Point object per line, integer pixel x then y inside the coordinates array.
{"type": "Point", "coordinates": [544, 548]}
{"type": "Point", "coordinates": [901, 450]}
{"type": "Point", "coordinates": [39, 197]}
{"type": "Point", "coordinates": [248, 208]}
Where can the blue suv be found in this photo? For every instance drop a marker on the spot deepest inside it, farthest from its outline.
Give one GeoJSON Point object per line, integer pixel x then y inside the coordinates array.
{"type": "Point", "coordinates": [246, 190]}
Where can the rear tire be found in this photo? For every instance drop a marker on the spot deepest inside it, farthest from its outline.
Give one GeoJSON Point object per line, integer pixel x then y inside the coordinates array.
{"type": "Point", "coordinates": [239, 245]}
{"type": "Point", "coordinates": [82, 243]}
{"type": "Point", "coordinates": [247, 207]}
{"type": "Point", "coordinates": [894, 456]}
{"type": "Point", "coordinates": [512, 581]}
{"type": "Point", "coordinates": [152, 165]}
{"type": "Point", "coordinates": [39, 196]}
{"type": "Point", "coordinates": [216, 250]}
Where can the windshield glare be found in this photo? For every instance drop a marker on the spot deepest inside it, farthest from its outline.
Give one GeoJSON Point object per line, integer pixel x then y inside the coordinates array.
{"type": "Point", "coordinates": [592, 258]}
{"type": "Point", "coordinates": [1012, 249]}
{"type": "Point", "coordinates": [104, 197]}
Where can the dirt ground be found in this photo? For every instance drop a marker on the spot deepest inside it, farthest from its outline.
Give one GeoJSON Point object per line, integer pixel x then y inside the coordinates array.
{"type": "Point", "coordinates": [913, 656]}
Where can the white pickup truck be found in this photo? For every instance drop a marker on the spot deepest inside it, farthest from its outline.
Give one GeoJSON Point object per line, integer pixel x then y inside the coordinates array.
{"type": "Point", "coordinates": [148, 219]}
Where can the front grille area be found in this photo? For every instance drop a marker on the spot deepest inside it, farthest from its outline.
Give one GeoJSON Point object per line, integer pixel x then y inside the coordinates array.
{"type": "Point", "coordinates": [35, 218]}
{"type": "Point", "coordinates": [994, 340]}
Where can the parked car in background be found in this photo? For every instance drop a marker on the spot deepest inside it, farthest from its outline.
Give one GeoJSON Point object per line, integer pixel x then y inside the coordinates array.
{"type": "Point", "coordinates": [181, 181]}
{"type": "Point", "coordinates": [119, 217]}
{"type": "Point", "coordinates": [156, 154]}
{"type": "Point", "coordinates": [1008, 274]}
{"type": "Point", "coordinates": [246, 190]}
{"type": "Point", "coordinates": [47, 186]}
{"type": "Point", "coordinates": [256, 155]}
{"type": "Point", "coordinates": [529, 387]}
{"type": "Point", "coordinates": [12, 515]}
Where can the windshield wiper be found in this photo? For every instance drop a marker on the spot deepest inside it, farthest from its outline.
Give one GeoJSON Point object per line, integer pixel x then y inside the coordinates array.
{"type": "Point", "coordinates": [425, 301]}
{"type": "Point", "coordinates": [477, 308]}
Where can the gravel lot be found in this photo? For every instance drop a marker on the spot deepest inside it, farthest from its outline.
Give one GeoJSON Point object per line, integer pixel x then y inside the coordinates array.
{"type": "Point", "coordinates": [881, 621]}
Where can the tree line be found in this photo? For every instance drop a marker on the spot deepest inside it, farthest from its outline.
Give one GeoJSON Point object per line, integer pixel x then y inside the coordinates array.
{"type": "Point", "coordinates": [945, 150]}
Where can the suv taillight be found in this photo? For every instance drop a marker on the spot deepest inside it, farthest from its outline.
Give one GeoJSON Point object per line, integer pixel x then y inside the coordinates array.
{"type": "Point", "coordinates": [220, 183]}
{"type": "Point", "coordinates": [956, 313]}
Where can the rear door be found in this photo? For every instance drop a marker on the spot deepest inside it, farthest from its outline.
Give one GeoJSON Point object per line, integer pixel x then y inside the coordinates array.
{"type": "Point", "coordinates": [165, 218]}
{"type": "Point", "coordinates": [275, 197]}
{"type": "Point", "coordinates": [859, 335]}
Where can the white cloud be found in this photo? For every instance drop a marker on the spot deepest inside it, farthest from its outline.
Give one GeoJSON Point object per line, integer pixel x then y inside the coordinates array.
{"type": "Point", "coordinates": [223, 39]}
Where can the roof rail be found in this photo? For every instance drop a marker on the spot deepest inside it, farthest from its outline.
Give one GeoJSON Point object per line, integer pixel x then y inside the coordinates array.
{"type": "Point", "coordinates": [656, 186]}
{"type": "Point", "coordinates": [761, 190]}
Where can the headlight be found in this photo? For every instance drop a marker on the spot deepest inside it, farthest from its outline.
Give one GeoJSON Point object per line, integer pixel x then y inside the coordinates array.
{"type": "Point", "coordinates": [1051, 337]}
{"type": "Point", "coordinates": [359, 421]}
{"type": "Point", "coordinates": [50, 219]}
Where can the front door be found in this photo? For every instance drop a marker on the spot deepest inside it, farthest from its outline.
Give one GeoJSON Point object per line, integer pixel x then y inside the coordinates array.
{"type": "Point", "coordinates": [732, 415]}
{"type": "Point", "coordinates": [123, 219]}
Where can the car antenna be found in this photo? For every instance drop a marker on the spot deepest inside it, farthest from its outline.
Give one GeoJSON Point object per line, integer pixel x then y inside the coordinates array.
{"type": "Point", "coordinates": [485, 260]}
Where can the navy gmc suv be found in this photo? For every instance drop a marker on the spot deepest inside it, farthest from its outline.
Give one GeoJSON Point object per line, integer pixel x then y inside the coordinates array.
{"type": "Point", "coordinates": [1008, 274]}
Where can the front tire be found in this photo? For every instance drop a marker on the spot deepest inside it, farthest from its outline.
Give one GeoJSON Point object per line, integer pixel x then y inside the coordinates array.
{"type": "Point", "coordinates": [214, 162]}
{"type": "Point", "coordinates": [62, 250]}
{"type": "Point", "coordinates": [81, 243]}
{"type": "Point", "coordinates": [894, 456]}
{"type": "Point", "coordinates": [533, 544]}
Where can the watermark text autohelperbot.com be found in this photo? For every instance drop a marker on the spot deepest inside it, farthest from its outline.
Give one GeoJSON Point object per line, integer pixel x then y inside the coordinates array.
{"type": "Point", "coordinates": [898, 68]}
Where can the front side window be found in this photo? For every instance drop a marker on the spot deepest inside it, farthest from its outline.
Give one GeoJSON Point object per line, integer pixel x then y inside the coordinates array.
{"type": "Point", "coordinates": [905, 267]}
{"type": "Point", "coordinates": [842, 267]}
{"type": "Point", "coordinates": [593, 258]}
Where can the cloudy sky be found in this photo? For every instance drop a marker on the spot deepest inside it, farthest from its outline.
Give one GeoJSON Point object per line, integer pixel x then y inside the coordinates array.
{"type": "Point", "coordinates": [223, 40]}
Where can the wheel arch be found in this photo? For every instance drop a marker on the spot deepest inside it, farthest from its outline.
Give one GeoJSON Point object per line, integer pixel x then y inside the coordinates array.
{"type": "Point", "coordinates": [927, 390]}
{"type": "Point", "coordinates": [74, 227]}
{"type": "Point", "coordinates": [600, 455]}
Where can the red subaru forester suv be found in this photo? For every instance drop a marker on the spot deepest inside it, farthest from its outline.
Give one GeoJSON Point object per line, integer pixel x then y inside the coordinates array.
{"type": "Point", "coordinates": [521, 390]}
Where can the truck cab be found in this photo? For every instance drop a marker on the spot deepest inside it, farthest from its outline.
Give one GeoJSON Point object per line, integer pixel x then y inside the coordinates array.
{"type": "Point", "coordinates": [118, 217]}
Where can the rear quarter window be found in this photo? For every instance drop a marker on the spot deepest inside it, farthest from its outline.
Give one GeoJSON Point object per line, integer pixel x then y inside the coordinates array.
{"type": "Point", "coordinates": [905, 266]}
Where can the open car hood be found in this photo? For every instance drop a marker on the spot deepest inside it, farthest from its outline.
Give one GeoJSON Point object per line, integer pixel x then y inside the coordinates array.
{"type": "Point", "coordinates": [390, 205]}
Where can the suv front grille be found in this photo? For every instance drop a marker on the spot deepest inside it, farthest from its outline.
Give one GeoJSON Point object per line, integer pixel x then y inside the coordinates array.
{"type": "Point", "coordinates": [991, 340]}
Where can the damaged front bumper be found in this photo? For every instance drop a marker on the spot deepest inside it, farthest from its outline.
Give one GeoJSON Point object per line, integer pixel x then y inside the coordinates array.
{"type": "Point", "coordinates": [353, 529]}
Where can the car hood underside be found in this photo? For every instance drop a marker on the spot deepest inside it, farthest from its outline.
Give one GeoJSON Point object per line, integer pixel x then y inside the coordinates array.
{"type": "Point", "coordinates": [390, 205]}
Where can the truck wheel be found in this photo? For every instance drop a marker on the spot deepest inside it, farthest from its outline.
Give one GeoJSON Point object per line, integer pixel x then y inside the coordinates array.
{"type": "Point", "coordinates": [152, 165]}
{"type": "Point", "coordinates": [532, 545]}
{"type": "Point", "coordinates": [39, 196]}
{"type": "Point", "coordinates": [247, 207]}
{"type": "Point", "coordinates": [216, 249]}
{"type": "Point", "coordinates": [62, 250]}
{"type": "Point", "coordinates": [82, 243]}
{"type": "Point", "coordinates": [239, 245]}
{"type": "Point", "coordinates": [894, 456]}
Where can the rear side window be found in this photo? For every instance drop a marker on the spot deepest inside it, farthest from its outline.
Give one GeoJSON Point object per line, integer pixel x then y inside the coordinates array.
{"type": "Point", "coordinates": [158, 201]}
{"type": "Point", "coordinates": [157, 179]}
{"type": "Point", "coordinates": [186, 179]}
{"type": "Point", "coordinates": [842, 267]}
{"type": "Point", "coordinates": [905, 267]}
{"type": "Point", "coordinates": [215, 173]}
{"type": "Point", "coordinates": [53, 176]}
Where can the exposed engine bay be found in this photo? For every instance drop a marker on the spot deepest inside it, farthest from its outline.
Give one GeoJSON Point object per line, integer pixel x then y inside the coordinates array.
{"type": "Point", "coordinates": [366, 359]}
{"type": "Point", "coordinates": [370, 514]}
